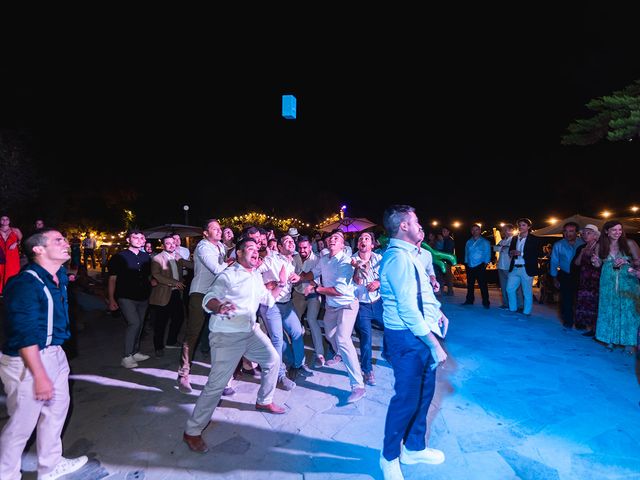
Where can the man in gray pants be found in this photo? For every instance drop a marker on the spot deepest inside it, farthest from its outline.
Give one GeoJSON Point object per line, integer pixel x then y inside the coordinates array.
{"type": "Point", "coordinates": [129, 289]}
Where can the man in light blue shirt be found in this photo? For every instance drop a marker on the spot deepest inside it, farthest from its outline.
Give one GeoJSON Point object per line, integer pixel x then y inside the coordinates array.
{"type": "Point", "coordinates": [477, 253]}
{"type": "Point", "coordinates": [411, 317]}
{"type": "Point", "coordinates": [560, 269]}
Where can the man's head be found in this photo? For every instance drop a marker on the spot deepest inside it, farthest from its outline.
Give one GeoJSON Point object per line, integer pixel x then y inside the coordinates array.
{"type": "Point", "coordinates": [286, 245]}
{"type": "Point", "coordinates": [177, 240]}
{"type": "Point", "coordinates": [570, 231]}
{"type": "Point", "coordinates": [366, 242]}
{"type": "Point", "coordinates": [247, 252]}
{"type": "Point", "coordinates": [476, 230]}
{"type": "Point", "coordinates": [272, 244]}
{"type": "Point", "coordinates": [135, 237]}
{"type": "Point", "coordinates": [212, 230]}
{"type": "Point", "coordinates": [401, 222]}
{"type": "Point", "coordinates": [169, 244]}
{"type": "Point", "coordinates": [47, 247]}
{"type": "Point", "coordinates": [293, 233]}
{"type": "Point", "coordinates": [506, 230]}
{"type": "Point", "coordinates": [524, 225]}
{"type": "Point", "coordinates": [304, 247]}
{"type": "Point", "coordinates": [148, 247]}
{"type": "Point", "coordinates": [39, 223]}
{"type": "Point", "coordinates": [227, 234]}
{"type": "Point", "coordinates": [335, 242]}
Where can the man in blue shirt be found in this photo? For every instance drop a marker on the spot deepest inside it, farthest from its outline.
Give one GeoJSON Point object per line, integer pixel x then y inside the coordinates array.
{"type": "Point", "coordinates": [560, 269]}
{"type": "Point", "coordinates": [34, 368]}
{"type": "Point", "coordinates": [411, 317]}
{"type": "Point", "coordinates": [477, 254]}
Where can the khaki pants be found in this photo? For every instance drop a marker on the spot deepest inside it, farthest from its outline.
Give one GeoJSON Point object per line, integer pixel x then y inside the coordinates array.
{"type": "Point", "coordinates": [226, 351]}
{"type": "Point", "coordinates": [26, 413]}
{"type": "Point", "coordinates": [338, 326]}
{"type": "Point", "coordinates": [195, 322]}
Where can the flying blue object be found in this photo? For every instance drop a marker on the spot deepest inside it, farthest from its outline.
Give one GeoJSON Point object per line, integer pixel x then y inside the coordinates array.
{"type": "Point", "coordinates": [289, 107]}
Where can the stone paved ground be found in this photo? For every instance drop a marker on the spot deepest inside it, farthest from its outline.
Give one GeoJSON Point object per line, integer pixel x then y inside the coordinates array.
{"type": "Point", "coordinates": [518, 398]}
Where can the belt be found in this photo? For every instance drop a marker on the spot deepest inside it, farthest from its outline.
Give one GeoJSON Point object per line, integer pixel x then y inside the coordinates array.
{"type": "Point", "coordinates": [282, 303]}
{"type": "Point", "coordinates": [518, 266]}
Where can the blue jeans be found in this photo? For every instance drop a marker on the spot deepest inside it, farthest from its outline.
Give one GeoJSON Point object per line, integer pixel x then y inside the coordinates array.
{"type": "Point", "coordinates": [282, 316]}
{"type": "Point", "coordinates": [367, 314]}
{"type": "Point", "coordinates": [415, 384]}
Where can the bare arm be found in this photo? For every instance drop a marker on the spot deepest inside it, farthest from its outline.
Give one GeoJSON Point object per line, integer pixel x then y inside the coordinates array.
{"type": "Point", "coordinates": [42, 385]}
{"type": "Point", "coordinates": [111, 291]}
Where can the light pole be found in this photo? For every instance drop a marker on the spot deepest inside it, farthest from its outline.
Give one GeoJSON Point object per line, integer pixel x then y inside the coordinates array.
{"type": "Point", "coordinates": [186, 214]}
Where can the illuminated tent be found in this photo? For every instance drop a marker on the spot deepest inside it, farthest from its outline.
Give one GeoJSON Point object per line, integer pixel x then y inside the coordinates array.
{"type": "Point", "coordinates": [630, 225]}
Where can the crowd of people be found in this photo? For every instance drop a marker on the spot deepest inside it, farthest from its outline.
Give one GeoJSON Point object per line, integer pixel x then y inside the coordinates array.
{"type": "Point", "coordinates": [252, 296]}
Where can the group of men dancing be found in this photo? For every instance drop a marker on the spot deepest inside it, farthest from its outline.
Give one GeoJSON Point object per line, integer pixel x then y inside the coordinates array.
{"type": "Point", "coordinates": [231, 290]}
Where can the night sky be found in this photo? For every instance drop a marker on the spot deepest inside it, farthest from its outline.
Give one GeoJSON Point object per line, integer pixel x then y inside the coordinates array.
{"type": "Point", "coordinates": [424, 93]}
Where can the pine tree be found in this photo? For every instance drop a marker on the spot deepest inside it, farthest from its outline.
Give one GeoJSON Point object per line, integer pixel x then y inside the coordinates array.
{"type": "Point", "coordinates": [617, 117]}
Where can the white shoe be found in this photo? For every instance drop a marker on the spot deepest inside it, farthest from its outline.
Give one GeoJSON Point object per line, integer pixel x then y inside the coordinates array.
{"type": "Point", "coordinates": [140, 357]}
{"type": "Point", "coordinates": [390, 469]}
{"type": "Point", "coordinates": [129, 362]}
{"type": "Point", "coordinates": [64, 467]}
{"type": "Point", "coordinates": [431, 456]}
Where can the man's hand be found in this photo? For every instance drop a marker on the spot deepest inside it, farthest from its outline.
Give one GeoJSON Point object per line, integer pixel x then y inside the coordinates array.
{"type": "Point", "coordinates": [373, 286]}
{"type": "Point", "coordinates": [294, 278]}
{"type": "Point", "coordinates": [443, 323]}
{"type": "Point", "coordinates": [113, 305]}
{"type": "Point", "coordinates": [42, 388]}
{"type": "Point", "coordinates": [226, 308]}
{"type": "Point", "coordinates": [439, 356]}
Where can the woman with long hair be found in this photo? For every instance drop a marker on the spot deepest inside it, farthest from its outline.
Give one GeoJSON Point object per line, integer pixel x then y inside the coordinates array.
{"type": "Point", "coordinates": [618, 317]}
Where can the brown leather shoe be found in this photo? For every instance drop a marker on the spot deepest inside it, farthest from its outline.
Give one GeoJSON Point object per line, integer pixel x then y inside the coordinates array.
{"type": "Point", "coordinates": [270, 408]}
{"type": "Point", "coordinates": [196, 443]}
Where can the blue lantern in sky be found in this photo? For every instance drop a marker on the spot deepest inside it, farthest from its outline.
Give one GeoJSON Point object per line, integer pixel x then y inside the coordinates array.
{"type": "Point", "coordinates": [289, 107]}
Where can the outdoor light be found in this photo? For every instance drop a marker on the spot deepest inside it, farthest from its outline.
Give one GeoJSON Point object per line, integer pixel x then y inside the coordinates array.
{"type": "Point", "coordinates": [553, 220]}
{"type": "Point", "coordinates": [502, 224]}
{"type": "Point", "coordinates": [634, 209]}
{"type": "Point", "coordinates": [434, 223]}
{"type": "Point", "coordinates": [456, 224]}
{"type": "Point", "coordinates": [606, 213]}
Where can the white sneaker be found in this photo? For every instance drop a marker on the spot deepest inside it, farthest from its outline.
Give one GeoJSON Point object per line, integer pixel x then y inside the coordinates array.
{"type": "Point", "coordinates": [390, 469]}
{"type": "Point", "coordinates": [431, 456]}
{"type": "Point", "coordinates": [129, 362]}
{"type": "Point", "coordinates": [65, 467]}
{"type": "Point", "coordinates": [140, 357]}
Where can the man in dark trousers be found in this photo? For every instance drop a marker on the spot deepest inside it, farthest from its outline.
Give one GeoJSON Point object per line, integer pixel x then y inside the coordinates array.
{"type": "Point", "coordinates": [34, 368]}
{"type": "Point", "coordinates": [412, 318]}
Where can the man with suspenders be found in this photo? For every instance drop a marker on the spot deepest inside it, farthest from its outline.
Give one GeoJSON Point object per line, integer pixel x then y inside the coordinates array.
{"type": "Point", "coordinates": [34, 368]}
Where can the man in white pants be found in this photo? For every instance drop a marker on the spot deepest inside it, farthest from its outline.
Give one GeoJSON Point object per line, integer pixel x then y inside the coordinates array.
{"type": "Point", "coordinates": [33, 367]}
{"type": "Point", "coordinates": [233, 301]}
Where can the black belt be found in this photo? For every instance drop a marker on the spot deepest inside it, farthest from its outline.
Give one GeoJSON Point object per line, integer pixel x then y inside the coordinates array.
{"type": "Point", "coordinates": [518, 266]}
{"type": "Point", "coordinates": [282, 303]}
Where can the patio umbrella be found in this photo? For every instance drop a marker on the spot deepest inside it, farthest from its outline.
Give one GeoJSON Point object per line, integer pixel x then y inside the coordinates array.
{"type": "Point", "coordinates": [172, 228]}
{"type": "Point", "coordinates": [349, 224]}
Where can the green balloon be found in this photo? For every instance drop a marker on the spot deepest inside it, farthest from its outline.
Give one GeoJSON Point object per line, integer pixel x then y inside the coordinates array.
{"type": "Point", "coordinates": [439, 258]}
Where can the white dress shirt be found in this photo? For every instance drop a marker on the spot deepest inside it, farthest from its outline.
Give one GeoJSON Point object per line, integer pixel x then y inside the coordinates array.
{"type": "Point", "coordinates": [270, 270]}
{"type": "Point", "coordinates": [243, 288]}
{"type": "Point", "coordinates": [208, 260]}
{"type": "Point", "coordinates": [337, 272]}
